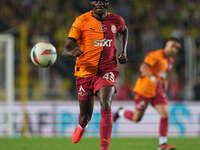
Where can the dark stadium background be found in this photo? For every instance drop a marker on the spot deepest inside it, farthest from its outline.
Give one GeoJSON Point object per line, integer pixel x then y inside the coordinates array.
{"type": "Point", "coordinates": [150, 23]}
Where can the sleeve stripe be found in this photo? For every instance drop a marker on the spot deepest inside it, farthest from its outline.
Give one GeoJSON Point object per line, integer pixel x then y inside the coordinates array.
{"type": "Point", "coordinates": [72, 38]}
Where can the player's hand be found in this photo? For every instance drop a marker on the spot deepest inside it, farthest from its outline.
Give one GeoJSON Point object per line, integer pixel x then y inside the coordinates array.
{"type": "Point", "coordinates": [122, 58]}
{"type": "Point", "coordinates": [162, 83]}
{"type": "Point", "coordinates": [76, 52]}
{"type": "Point", "coordinates": [166, 85]}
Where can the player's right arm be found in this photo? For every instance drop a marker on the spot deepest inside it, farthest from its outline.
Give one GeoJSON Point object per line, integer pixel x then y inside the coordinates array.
{"type": "Point", "coordinates": [70, 49]}
{"type": "Point", "coordinates": [149, 61]}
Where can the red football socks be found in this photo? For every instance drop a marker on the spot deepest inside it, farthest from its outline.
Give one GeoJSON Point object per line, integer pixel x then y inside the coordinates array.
{"type": "Point", "coordinates": [105, 128]}
{"type": "Point", "coordinates": [128, 115]}
{"type": "Point", "coordinates": [163, 127]}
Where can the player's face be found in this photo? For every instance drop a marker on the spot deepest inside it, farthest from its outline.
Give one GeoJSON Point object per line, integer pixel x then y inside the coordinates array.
{"type": "Point", "coordinates": [100, 6]}
{"type": "Point", "coordinates": [173, 47]}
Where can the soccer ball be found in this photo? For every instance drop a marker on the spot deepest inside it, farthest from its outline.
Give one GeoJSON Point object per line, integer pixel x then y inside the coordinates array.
{"type": "Point", "coordinates": [43, 54]}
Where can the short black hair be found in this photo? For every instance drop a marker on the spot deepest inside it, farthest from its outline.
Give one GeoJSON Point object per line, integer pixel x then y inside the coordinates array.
{"type": "Point", "coordinates": [172, 39]}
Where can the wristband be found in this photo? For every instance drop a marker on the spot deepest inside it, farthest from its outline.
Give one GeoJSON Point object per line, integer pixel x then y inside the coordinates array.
{"type": "Point", "coordinates": [153, 79]}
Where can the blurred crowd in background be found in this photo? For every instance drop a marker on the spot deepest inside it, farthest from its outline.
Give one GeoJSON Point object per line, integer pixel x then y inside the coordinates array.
{"type": "Point", "coordinates": [150, 23]}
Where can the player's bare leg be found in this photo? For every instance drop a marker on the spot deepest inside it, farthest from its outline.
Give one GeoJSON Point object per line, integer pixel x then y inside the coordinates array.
{"type": "Point", "coordinates": [162, 109]}
{"type": "Point", "coordinates": [128, 114]}
{"type": "Point", "coordinates": [105, 96]}
{"type": "Point", "coordinates": [86, 110]}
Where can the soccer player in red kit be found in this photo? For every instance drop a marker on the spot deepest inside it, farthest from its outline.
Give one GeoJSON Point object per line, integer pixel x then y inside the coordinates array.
{"type": "Point", "coordinates": [96, 64]}
{"type": "Point", "coordinates": [150, 88]}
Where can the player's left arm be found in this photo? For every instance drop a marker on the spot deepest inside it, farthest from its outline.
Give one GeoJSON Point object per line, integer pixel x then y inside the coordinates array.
{"type": "Point", "coordinates": [123, 42]}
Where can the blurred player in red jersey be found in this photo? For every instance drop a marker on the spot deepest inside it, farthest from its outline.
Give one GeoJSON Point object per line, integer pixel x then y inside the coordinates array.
{"type": "Point", "coordinates": [96, 64]}
{"type": "Point", "coordinates": [150, 88]}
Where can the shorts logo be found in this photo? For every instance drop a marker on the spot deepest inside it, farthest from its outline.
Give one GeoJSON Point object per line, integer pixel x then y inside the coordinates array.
{"type": "Point", "coordinates": [113, 29]}
{"type": "Point", "coordinates": [141, 105]}
{"type": "Point", "coordinates": [103, 28]}
{"type": "Point", "coordinates": [82, 91]}
{"type": "Point", "coordinates": [103, 42]}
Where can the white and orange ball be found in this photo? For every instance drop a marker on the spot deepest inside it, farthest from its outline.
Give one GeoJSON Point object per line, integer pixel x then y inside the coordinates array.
{"type": "Point", "coordinates": [43, 54]}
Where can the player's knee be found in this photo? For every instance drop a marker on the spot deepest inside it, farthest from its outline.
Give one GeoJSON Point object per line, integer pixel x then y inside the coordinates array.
{"type": "Point", "coordinates": [137, 119]}
{"type": "Point", "coordinates": [106, 106]}
{"type": "Point", "coordinates": [106, 103]}
{"type": "Point", "coordinates": [165, 115]}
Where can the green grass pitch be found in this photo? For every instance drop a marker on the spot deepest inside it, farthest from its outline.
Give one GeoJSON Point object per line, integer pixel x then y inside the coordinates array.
{"type": "Point", "coordinates": [94, 144]}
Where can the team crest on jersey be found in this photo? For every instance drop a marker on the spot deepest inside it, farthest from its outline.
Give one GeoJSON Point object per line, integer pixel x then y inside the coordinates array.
{"type": "Point", "coordinates": [113, 29]}
{"type": "Point", "coordinates": [103, 28]}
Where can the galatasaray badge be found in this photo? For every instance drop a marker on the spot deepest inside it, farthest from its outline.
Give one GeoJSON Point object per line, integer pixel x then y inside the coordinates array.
{"type": "Point", "coordinates": [113, 29]}
{"type": "Point", "coordinates": [103, 28]}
